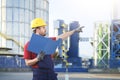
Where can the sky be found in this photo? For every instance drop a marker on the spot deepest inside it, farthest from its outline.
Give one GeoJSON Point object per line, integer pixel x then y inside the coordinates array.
{"type": "Point", "coordinates": [87, 12]}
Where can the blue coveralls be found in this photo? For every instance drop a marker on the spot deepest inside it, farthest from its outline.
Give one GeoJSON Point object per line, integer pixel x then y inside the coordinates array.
{"type": "Point", "coordinates": [45, 70]}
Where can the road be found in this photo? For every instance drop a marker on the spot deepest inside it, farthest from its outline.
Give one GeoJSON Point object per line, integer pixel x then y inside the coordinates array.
{"type": "Point", "coordinates": [61, 76]}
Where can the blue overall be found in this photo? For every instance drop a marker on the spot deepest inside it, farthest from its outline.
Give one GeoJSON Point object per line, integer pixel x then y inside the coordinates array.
{"type": "Point", "coordinates": [45, 70]}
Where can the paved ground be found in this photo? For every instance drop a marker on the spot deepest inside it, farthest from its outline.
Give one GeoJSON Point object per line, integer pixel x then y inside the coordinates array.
{"type": "Point", "coordinates": [61, 76]}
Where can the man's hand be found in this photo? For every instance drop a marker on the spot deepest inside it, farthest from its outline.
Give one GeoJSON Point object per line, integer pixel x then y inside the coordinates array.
{"type": "Point", "coordinates": [79, 29]}
{"type": "Point", "coordinates": [40, 56]}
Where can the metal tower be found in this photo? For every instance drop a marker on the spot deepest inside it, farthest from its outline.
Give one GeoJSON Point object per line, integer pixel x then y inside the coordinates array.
{"type": "Point", "coordinates": [60, 28]}
{"type": "Point", "coordinates": [74, 47]}
{"type": "Point", "coordinates": [101, 44]}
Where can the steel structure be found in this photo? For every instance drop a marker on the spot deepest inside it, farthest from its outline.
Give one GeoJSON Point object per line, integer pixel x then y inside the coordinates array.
{"type": "Point", "coordinates": [115, 44]}
{"type": "Point", "coordinates": [101, 44]}
{"type": "Point", "coordinates": [60, 28]}
{"type": "Point", "coordinates": [70, 61]}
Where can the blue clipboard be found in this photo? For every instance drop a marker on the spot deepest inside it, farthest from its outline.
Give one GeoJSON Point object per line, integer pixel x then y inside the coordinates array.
{"type": "Point", "coordinates": [39, 43]}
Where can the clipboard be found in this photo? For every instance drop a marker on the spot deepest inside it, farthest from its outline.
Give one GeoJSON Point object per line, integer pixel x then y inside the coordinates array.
{"type": "Point", "coordinates": [39, 43]}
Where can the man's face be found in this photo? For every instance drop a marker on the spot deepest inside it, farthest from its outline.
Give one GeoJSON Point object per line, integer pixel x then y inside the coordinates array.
{"type": "Point", "coordinates": [42, 31]}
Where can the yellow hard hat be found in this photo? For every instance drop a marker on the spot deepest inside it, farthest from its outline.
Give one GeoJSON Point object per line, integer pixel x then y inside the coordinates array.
{"type": "Point", "coordinates": [38, 22]}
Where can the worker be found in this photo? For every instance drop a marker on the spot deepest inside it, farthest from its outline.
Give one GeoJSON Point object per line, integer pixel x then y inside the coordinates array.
{"type": "Point", "coordinates": [41, 64]}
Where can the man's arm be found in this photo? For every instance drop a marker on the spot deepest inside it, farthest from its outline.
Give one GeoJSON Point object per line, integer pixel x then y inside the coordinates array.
{"type": "Point", "coordinates": [30, 62]}
{"type": "Point", "coordinates": [65, 35]}
{"type": "Point", "coordinates": [69, 33]}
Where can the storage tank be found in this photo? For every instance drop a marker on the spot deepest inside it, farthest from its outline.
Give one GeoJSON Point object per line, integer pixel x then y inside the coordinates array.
{"type": "Point", "coordinates": [15, 18]}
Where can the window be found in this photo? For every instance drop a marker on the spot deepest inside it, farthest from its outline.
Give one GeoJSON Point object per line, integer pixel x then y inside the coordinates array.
{"type": "Point", "coordinates": [27, 4]}
{"type": "Point", "coordinates": [32, 5]}
{"type": "Point", "coordinates": [26, 16]}
{"type": "Point", "coordinates": [22, 30]}
{"type": "Point", "coordinates": [9, 3]}
{"type": "Point", "coordinates": [47, 6]}
{"type": "Point", "coordinates": [44, 4]}
{"type": "Point", "coordinates": [15, 2]}
{"type": "Point", "coordinates": [21, 17]}
{"type": "Point", "coordinates": [27, 27]}
{"type": "Point", "coordinates": [9, 28]}
{"type": "Point", "coordinates": [41, 4]}
{"type": "Point", "coordinates": [38, 4]}
{"type": "Point", "coordinates": [21, 3]}
{"type": "Point", "coordinates": [9, 14]}
{"type": "Point", "coordinates": [15, 29]}
{"type": "Point", "coordinates": [37, 13]}
{"type": "Point", "coordinates": [47, 16]}
{"type": "Point", "coordinates": [44, 15]}
{"type": "Point", "coordinates": [15, 14]}
{"type": "Point", "coordinates": [31, 16]}
{"type": "Point", "coordinates": [41, 13]}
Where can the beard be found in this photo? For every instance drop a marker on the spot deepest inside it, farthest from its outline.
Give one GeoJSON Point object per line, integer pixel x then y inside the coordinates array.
{"type": "Point", "coordinates": [43, 34]}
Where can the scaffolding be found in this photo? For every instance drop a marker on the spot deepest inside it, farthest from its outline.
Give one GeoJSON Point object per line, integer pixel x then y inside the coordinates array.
{"type": "Point", "coordinates": [101, 44]}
